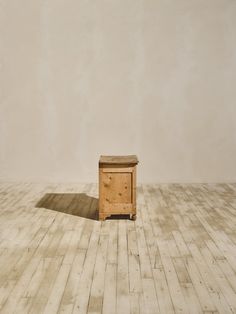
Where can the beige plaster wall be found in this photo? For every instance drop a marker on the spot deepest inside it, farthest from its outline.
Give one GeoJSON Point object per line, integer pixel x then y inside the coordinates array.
{"type": "Point", "coordinates": [80, 78]}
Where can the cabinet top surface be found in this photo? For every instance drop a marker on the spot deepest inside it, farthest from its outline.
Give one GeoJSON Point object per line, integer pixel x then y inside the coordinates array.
{"type": "Point", "coordinates": [114, 160]}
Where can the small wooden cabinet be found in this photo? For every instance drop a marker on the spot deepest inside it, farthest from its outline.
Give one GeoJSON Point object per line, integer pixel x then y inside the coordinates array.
{"type": "Point", "coordinates": [117, 186]}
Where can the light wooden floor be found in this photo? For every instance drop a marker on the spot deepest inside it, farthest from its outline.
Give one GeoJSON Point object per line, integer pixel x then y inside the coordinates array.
{"type": "Point", "coordinates": [178, 257]}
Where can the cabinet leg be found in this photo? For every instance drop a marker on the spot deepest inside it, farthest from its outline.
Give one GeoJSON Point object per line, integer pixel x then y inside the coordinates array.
{"type": "Point", "coordinates": [134, 217]}
{"type": "Point", "coordinates": [102, 217]}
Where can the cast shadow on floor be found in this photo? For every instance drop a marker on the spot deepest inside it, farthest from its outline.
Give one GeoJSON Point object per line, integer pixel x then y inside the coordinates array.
{"type": "Point", "coordinates": [78, 204]}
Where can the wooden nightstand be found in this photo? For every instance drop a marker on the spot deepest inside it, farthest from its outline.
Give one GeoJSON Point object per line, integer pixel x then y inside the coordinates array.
{"type": "Point", "coordinates": [117, 186]}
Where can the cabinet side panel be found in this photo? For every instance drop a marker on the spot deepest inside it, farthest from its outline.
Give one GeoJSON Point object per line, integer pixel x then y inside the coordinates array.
{"type": "Point", "coordinates": [134, 179]}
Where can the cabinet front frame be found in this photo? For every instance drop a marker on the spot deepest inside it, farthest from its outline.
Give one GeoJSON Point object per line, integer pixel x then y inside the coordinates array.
{"type": "Point", "coordinates": [106, 209]}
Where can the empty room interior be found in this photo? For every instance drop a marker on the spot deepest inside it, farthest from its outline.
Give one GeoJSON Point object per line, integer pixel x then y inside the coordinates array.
{"type": "Point", "coordinates": [118, 156]}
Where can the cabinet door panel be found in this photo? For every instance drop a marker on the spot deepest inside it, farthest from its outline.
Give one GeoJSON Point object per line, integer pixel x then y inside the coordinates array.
{"type": "Point", "coordinates": [117, 187]}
